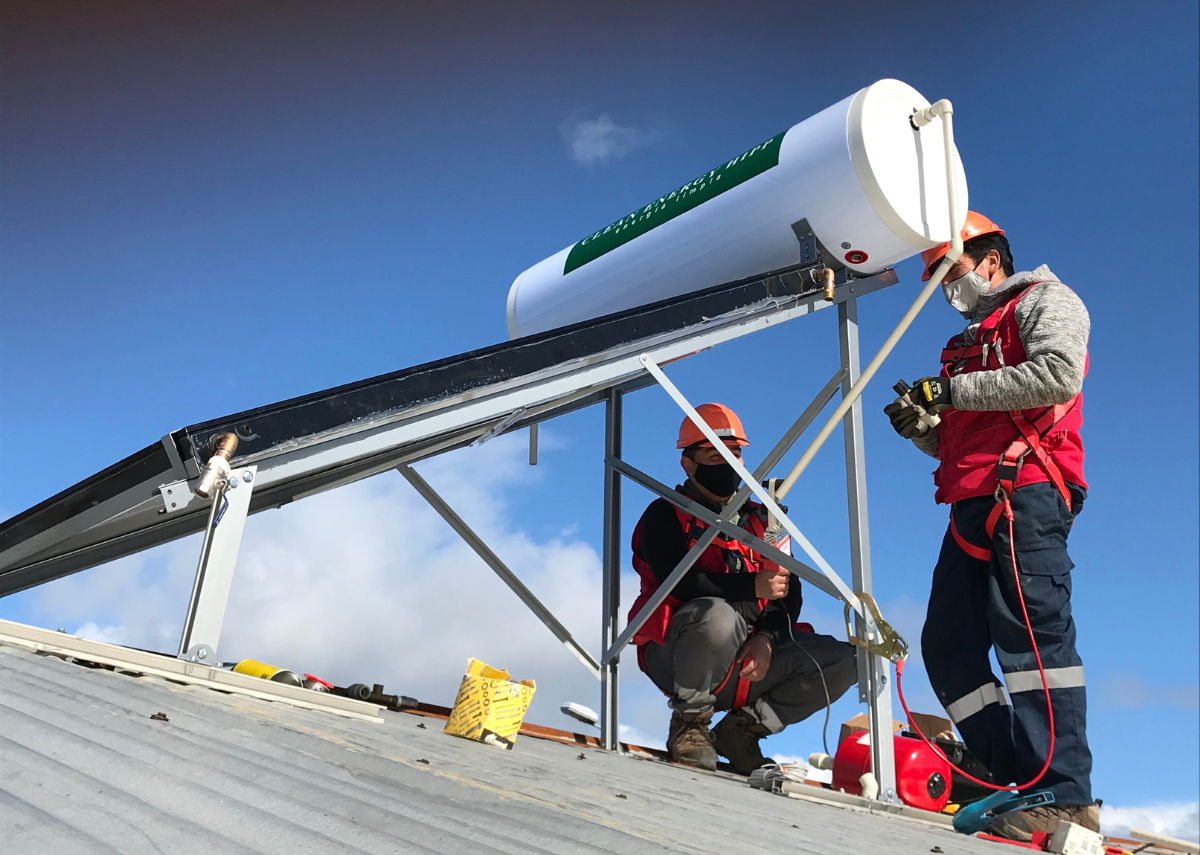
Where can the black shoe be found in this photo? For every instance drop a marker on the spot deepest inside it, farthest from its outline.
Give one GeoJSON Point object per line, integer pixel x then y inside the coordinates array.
{"type": "Point", "coordinates": [736, 738]}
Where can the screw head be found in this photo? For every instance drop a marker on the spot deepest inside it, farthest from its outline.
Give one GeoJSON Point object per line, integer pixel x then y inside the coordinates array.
{"type": "Point", "coordinates": [233, 482]}
{"type": "Point", "coordinates": [845, 244]}
{"type": "Point", "coordinates": [247, 476]}
{"type": "Point", "coordinates": [883, 679]}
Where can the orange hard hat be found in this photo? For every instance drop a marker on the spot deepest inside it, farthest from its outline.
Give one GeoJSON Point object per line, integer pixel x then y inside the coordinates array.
{"type": "Point", "coordinates": [723, 421]}
{"type": "Point", "coordinates": [975, 226]}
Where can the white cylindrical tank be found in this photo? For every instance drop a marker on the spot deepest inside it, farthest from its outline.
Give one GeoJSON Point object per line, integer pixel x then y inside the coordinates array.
{"type": "Point", "coordinates": [872, 188]}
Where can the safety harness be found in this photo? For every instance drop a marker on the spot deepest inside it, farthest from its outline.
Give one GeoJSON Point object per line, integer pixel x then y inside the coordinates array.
{"type": "Point", "coordinates": [725, 554]}
{"type": "Point", "coordinates": [957, 356]}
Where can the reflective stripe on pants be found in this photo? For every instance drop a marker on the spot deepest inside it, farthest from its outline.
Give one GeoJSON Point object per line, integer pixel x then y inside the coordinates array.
{"type": "Point", "coordinates": [974, 609]}
{"type": "Point", "coordinates": [1056, 678]}
{"type": "Point", "coordinates": [975, 702]}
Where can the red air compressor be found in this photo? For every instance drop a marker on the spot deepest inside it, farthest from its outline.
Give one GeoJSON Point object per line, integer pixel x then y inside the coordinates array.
{"type": "Point", "coordinates": [922, 777]}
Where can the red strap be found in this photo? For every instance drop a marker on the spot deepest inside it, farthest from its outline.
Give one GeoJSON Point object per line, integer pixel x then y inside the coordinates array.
{"type": "Point", "coordinates": [994, 517]}
{"type": "Point", "coordinates": [1033, 437]}
{"type": "Point", "coordinates": [743, 686]}
{"type": "Point", "coordinates": [977, 552]}
{"type": "Point", "coordinates": [742, 693]}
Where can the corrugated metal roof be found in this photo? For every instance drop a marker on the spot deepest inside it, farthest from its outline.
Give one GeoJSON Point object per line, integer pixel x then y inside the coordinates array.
{"type": "Point", "coordinates": [84, 769]}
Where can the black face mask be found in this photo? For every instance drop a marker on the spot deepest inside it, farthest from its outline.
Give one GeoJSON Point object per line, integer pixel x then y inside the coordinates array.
{"type": "Point", "coordinates": [720, 479]}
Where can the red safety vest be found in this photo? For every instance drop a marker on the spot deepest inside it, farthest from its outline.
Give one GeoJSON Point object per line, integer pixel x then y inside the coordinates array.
{"type": "Point", "coordinates": [982, 451]}
{"type": "Point", "coordinates": [723, 556]}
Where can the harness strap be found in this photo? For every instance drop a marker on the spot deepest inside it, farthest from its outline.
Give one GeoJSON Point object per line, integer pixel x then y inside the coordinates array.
{"type": "Point", "coordinates": [741, 694]}
{"type": "Point", "coordinates": [742, 691]}
{"type": "Point", "coordinates": [976, 552]}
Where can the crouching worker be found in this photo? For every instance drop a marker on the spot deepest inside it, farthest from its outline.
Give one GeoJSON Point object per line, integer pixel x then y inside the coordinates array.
{"type": "Point", "coordinates": [721, 640]}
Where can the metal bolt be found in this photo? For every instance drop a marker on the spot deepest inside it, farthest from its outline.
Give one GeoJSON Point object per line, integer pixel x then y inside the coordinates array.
{"type": "Point", "coordinates": [883, 679]}
{"type": "Point", "coordinates": [247, 476]}
{"type": "Point", "coordinates": [845, 244]}
{"type": "Point", "coordinates": [233, 482]}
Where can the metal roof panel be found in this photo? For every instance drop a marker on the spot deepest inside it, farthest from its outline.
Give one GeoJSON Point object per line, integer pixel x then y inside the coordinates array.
{"type": "Point", "coordinates": [85, 769]}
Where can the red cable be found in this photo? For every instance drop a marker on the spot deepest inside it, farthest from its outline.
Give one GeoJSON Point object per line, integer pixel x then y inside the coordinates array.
{"type": "Point", "coordinates": [1012, 548]}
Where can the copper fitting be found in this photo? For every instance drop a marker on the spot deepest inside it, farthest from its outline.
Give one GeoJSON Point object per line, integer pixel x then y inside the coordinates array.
{"type": "Point", "coordinates": [224, 444]}
{"type": "Point", "coordinates": [216, 471]}
{"type": "Point", "coordinates": [827, 276]}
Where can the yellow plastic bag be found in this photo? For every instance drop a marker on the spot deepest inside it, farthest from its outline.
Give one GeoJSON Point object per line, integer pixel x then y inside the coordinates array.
{"type": "Point", "coordinates": [489, 707]}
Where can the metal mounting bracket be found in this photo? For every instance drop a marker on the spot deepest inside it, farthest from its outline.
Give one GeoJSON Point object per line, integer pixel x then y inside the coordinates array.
{"type": "Point", "coordinates": [214, 574]}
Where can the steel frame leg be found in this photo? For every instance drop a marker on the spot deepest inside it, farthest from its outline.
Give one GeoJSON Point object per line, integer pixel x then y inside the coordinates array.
{"type": "Point", "coordinates": [610, 596]}
{"type": "Point", "coordinates": [214, 574]}
{"type": "Point", "coordinates": [498, 567]}
{"type": "Point", "coordinates": [873, 687]}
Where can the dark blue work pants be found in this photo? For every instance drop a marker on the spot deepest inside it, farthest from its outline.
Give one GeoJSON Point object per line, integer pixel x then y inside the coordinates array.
{"type": "Point", "coordinates": [974, 607]}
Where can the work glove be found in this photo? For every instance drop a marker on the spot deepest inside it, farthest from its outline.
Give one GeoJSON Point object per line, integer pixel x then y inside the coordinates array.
{"type": "Point", "coordinates": [904, 419]}
{"type": "Point", "coordinates": [932, 394]}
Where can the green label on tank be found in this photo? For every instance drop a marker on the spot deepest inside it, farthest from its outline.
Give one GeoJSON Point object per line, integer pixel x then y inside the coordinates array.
{"type": "Point", "coordinates": [708, 186]}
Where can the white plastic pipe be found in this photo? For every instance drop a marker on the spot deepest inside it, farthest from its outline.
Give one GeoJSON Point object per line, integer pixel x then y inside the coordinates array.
{"type": "Point", "coordinates": [945, 110]}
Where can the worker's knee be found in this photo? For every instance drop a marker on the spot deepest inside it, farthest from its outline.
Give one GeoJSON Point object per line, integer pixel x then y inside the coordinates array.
{"type": "Point", "coordinates": [711, 622]}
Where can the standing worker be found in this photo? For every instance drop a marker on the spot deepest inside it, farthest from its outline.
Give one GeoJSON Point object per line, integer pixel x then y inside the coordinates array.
{"type": "Point", "coordinates": [1010, 460]}
{"type": "Point", "coordinates": [723, 639]}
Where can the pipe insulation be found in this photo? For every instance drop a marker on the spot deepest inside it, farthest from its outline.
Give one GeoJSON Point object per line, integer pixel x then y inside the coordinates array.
{"type": "Point", "coordinates": [870, 183]}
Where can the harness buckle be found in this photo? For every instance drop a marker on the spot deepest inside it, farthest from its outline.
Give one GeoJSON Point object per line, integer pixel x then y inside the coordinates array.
{"type": "Point", "coordinates": [891, 645]}
{"type": "Point", "coordinates": [1006, 473]}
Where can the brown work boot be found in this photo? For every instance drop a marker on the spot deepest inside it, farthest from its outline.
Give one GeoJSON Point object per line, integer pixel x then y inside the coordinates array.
{"type": "Point", "coordinates": [690, 742]}
{"type": "Point", "coordinates": [736, 738]}
{"type": "Point", "coordinates": [1020, 824]}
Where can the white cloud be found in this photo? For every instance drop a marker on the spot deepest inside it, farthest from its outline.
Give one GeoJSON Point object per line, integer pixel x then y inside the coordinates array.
{"type": "Point", "coordinates": [1128, 690]}
{"type": "Point", "coordinates": [1180, 820]}
{"type": "Point", "coordinates": [634, 736]}
{"type": "Point", "coordinates": [597, 140]}
{"type": "Point", "coordinates": [368, 584]}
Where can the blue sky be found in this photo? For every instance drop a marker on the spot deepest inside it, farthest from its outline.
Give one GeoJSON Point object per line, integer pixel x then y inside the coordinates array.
{"type": "Point", "coordinates": [352, 188]}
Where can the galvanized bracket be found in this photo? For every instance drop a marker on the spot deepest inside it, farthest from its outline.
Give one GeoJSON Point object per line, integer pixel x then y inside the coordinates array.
{"type": "Point", "coordinates": [214, 574]}
{"type": "Point", "coordinates": [177, 496]}
{"type": "Point", "coordinates": [813, 251]}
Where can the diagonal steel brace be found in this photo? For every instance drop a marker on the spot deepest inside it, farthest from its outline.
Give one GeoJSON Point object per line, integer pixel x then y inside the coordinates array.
{"type": "Point", "coordinates": [731, 507]}
{"type": "Point", "coordinates": [844, 592]}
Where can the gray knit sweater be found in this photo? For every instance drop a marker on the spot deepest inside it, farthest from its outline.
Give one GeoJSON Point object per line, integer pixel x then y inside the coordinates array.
{"type": "Point", "coordinates": [1053, 325]}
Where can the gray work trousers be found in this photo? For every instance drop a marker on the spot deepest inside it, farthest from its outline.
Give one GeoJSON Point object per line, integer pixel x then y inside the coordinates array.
{"type": "Point", "coordinates": [702, 639]}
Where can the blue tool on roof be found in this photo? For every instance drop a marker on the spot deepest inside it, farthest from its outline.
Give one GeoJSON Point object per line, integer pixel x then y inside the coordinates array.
{"type": "Point", "coordinates": [978, 816]}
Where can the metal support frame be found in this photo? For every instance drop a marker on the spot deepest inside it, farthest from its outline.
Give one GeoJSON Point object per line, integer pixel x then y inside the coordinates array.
{"type": "Point", "coordinates": [717, 524]}
{"type": "Point", "coordinates": [610, 594]}
{"type": "Point", "coordinates": [873, 688]}
{"type": "Point", "coordinates": [492, 560]}
{"type": "Point", "coordinates": [873, 670]}
{"type": "Point", "coordinates": [214, 574]}
{"type": "Point", "coordinates": [227, 517]}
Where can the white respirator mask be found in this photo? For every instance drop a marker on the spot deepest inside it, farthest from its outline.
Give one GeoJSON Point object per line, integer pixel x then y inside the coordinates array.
{"type": "Point", "coordinates": [964, 292]}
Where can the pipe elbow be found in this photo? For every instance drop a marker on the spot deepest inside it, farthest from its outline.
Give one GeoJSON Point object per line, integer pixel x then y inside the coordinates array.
{"type": "Point", "coordinates": [921, 118]}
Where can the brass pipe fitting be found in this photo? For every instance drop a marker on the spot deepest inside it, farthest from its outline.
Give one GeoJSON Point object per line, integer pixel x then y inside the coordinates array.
{"type": "Point", "coordinates": [217, 471]}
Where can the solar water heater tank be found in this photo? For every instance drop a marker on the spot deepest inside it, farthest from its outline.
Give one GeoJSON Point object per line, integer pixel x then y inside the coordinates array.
{"type": "Point", "coordinates": [870, 186]}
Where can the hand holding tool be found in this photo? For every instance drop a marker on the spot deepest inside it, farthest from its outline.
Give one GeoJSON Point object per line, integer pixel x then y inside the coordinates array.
{"type": "Point", "coordinates": [771, 583]}
{"type": "Point", "coordinates": [932, 394]}
{"type": "Point", "coordinates": [909, 416]}
{"type": "Point", "coordinates": [905, 419]}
